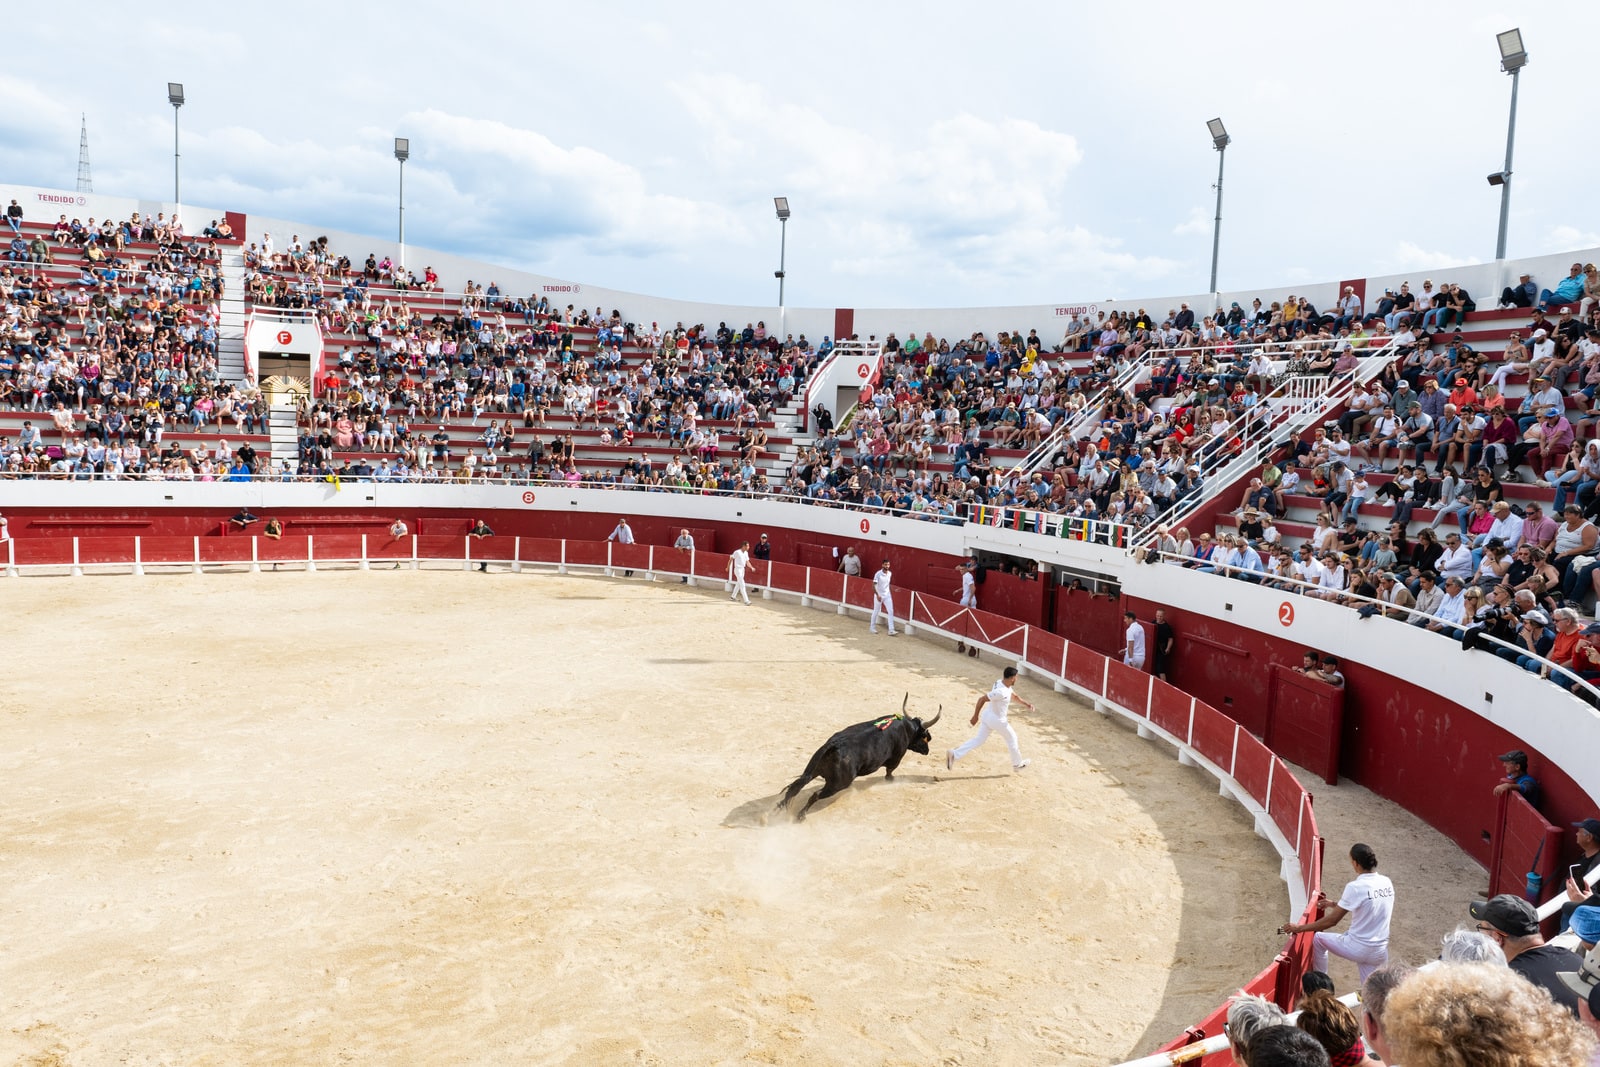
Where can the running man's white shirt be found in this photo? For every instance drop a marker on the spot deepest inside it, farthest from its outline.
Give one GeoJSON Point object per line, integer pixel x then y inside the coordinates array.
{"type": "Point", "coordinates": [1133, 646]}
{"type": "Point", "coordinates": [882, 598]}
{"type": "Point", "coordinates": [1370, 901]}
{"type": "Point", "coordinates": [969, 590]}
{"type": "Point", "coordinates": [737, 563]}
{"type": "Point", "coordinates": [622, 535]}
{"type": "Point", "coordinates": [993, 720]}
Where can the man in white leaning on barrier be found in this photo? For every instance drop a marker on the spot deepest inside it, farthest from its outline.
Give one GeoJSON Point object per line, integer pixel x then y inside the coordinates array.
{"type": "Point", "coordinates": [993, 708]}
{"type": "Point", "coordinates": [1369, 901]}
{"type": "Point", "coordinates": [622, 535]}
{"type": "Point", "coordinates": [882, 598]}
{"type": "Point", "coordinates": [738, 563]}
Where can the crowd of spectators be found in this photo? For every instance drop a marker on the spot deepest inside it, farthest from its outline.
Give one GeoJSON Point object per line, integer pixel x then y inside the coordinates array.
{"type": "Point", "coordinates": [114, 357]}
{"type": "Point", "coordinates": [923, 442]}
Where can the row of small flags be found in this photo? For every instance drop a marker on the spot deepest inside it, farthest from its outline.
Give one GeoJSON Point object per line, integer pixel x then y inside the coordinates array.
{"type": "Point", "coordinates": [1026, 521]}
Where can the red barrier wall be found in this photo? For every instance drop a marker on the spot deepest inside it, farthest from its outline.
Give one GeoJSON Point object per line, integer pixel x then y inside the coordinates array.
{"type": "Point", "coordinates": [1004, 594]}
{"type": "Point", "coordinates": [1305, 720]}
{"type": "Point", "coordinates": [1524, 842]}
{"type": "Point", "coordinates": [1088, 619]}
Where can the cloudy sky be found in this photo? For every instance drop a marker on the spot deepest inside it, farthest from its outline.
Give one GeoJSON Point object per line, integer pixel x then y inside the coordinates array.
{"type": "Point", "coordinates": [935, 154]}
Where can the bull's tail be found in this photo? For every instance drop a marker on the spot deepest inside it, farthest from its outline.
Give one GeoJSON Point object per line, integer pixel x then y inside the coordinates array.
{"type": "Point", "coordinates": [795, 787]}
{"type": "Point", "coordinates": [812, 772]}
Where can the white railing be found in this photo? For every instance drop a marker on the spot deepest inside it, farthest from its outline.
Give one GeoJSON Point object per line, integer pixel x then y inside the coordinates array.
{"type": "Point", "coordinates": [851, 364]}
{"type": "Point", "coordinates": [1297, 404]}
{"type": "Point", "coordinates": [1081, 422]}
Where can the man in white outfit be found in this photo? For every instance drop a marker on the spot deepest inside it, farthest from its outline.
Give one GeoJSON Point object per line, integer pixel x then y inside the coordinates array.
{"type": "Point", "coordinates": [738, 563]}
{"type": "Point", "coordinates": [1369, 901]}
{"type": "Point", "coordinates": [992, 708]}
{"type": "Point", "coordinates": [882, 598]}
{"type": "Point", "coordinates": [1133, 642]}
{"type": "Point", "coordinates": [969, 585]}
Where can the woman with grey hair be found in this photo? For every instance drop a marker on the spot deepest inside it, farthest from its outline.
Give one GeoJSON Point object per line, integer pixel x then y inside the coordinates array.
{"type": "Point", "coordinates": [1466, 944]}
{"type": "Point", "coordinates": [1248, 1014]}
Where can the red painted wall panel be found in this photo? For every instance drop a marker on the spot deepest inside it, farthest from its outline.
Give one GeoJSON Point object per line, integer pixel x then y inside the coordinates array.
{"type": "Point", "coordinates": [1252, 766]}
{"type": "Point", "coordinates": [1213, 736]}
{"type": "Point", "coordinates": [1169, 709]}
{"type": "Point", "coordinates": [1045, 650]}
{"type": "Point", "coordinates": [1305, 719]}
{"type": "Point", "coordinates": [1284, 804]}
{"type": "Point", "coordinates": [1086, 667]}
{"type": "Point", "coordinates": [1084, 618]}
{"type": "Point", "coordinates": [1004, 594]}
{"type": "Point", "coordinates": [1127, 687]}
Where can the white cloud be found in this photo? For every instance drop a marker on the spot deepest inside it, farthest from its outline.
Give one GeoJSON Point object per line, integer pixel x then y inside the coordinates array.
{"type": "Point", "coordinates": [1198, 224]}
{"type": "Point", "coordinates": [1564, 237]}
{"type": "Point", "coordinates": [1407, 256]}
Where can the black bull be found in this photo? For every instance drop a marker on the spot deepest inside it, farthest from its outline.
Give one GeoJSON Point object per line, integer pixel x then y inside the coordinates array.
{"type": "Point", "coordinates": [862, 749]}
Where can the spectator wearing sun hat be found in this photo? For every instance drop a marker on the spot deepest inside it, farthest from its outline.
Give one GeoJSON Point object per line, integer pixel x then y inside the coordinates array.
{"type": "Point", "coordinates": [1521, 295]}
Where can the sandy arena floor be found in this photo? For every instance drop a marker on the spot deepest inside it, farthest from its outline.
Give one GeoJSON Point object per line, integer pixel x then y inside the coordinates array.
{"type": "Point", "coordinates": [448, 818]}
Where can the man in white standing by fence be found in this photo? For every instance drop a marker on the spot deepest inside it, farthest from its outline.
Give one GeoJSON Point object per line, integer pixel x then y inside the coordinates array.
{"type": "Point", "coordinates": [738, 563]}
{"type": "Point", "coordinates": [883, 598]}
{"type": "Point", "coordinates": [1369, 900]}
{"type": "Point", "coordinates": [1133, 642]}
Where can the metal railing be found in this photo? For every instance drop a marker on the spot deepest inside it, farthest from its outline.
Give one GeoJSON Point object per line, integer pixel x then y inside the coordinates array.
{"type": "Point", "coordinates": [1090, 415]}
{"type": "Point", "coordinates": [1249, 438]}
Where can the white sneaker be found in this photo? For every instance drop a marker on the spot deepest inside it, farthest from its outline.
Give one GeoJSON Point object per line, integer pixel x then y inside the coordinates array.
{"type": "Point", "coordinates": [1021, 765]}
{"type": "Point", "coordinates": [950, 759]}
{"type": "Point", "coordinates": [872, 631]}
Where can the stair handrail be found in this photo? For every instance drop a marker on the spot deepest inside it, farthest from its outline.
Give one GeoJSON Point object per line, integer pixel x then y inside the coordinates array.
{"type": "Point", "coordinates": [1291, 408]}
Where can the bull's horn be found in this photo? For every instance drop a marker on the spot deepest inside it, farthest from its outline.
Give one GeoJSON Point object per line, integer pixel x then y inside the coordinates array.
{"type": "Point", "coordinates": [929, 724]}
{"type": "Point", "coordinates": [904, 702]}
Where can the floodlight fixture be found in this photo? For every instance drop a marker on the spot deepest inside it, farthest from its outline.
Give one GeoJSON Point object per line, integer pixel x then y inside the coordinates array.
{"type": "Point", "coordinates": [782, 204]}
{"type": "Point", "coordinates": [175, 94]}
{"type": "Point", "coordinates": [1219, 135]}
{"type": "Point", "coordinates": [1512, 54]}
{"type": "Point", "coordinates": [402, 148]}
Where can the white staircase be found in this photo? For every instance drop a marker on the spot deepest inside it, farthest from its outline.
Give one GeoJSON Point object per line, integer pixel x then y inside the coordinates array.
{"type": "Point", "coordinates": [1299, 403]}
{"type": "Point", "coordinates": [230, 331]}
{"type": "Point", "coordinates": [281, 431]}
